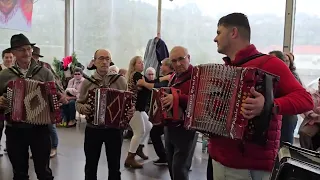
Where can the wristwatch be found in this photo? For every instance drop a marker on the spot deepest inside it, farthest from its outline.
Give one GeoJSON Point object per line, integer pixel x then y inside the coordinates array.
{"type": "Point", "coordinates": [275, 109]}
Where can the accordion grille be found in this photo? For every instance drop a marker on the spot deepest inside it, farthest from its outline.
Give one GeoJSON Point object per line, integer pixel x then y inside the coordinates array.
{"type": "Point", "coordinates": [212, 98]}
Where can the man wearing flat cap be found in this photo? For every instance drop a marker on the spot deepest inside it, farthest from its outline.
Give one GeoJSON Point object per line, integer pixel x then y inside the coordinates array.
{"type": "Point", "coordinates": [21, 135]}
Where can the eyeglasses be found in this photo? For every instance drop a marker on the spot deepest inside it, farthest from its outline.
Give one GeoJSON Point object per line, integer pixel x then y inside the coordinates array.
{"type": "Point", "coordinates": [101, 58]}
{"type": "Point", "coordinates": [179, 59]}
{"type": "Point", "coordinates": [77, 74]}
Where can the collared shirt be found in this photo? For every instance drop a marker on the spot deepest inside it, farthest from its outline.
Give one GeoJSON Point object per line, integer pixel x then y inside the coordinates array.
{"type": "Point", "coordinates": [23, 71]}
{"type": "Point", "coordinates": [3, 67]}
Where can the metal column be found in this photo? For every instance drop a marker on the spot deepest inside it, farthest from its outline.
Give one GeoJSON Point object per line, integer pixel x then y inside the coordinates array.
{"type": "Point", "coordinates": [69, 27]}
{"type": "Point", "coordinates": [159, 18]}
{"type": "Point", "coordinates": [289, 25]}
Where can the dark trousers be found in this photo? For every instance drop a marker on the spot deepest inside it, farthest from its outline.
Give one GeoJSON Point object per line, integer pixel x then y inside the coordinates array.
{"type": "Point", "coordinates": [155, 135]}
{"type": "Point", "coordinates": [179, 143]}
{"type": "Point", "coordinates": [94, 138]}
{"type": "Point", "coordinates": [18, 142]}
{"type": "Point", "coordinates": [1, 128]}
{"type": "Point", "coordinates": [210, 169]}
{"type": "Point", "coordinates": [69, 110]}
{"type": "Point", "coordinates": [193, 148]}
{"type": "Point", "coordinates": [289, 124]}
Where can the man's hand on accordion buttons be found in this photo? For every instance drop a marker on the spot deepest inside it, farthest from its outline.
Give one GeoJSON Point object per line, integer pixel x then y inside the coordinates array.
{"type": "Point", "coordinates": [63, 99]}
{"type": "Point", "coordinates": [253, 106]}
{"type": "Point", "coordinates": [167, 101]}
{"type": "Point", "coordinates": [86, 109]}
{"type": "Point", "coordinates": [4, 102]}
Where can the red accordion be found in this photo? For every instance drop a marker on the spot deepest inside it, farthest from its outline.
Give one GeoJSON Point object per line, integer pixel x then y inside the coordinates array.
{"type": "Point", "coordinates": [110, 107]}
{"type": "Point", "coordinates": [33, 102]}
{"type": "Point", "coordinates": [175, 113]}
{"type": "Point", "coordinates": [155, 110]}
{"type": "Point", "coordinates": [216, 94]}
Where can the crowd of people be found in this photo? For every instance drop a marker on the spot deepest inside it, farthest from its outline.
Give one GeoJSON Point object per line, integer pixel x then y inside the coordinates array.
{"type": "Point", "coordinates": [229, 158]}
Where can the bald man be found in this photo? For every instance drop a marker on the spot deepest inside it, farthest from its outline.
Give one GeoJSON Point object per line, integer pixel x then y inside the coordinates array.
{"type": "Point", "coordinates": [179, 142]}
{"type": "Point", "coordinates": [95, 136]}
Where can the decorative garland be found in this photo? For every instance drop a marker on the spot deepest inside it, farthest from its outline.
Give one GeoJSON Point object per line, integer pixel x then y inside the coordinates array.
{"type": "Point", "coordinates": [67, 63]}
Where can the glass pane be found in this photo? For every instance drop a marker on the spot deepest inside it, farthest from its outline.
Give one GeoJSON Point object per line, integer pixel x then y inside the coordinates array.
{"type": "Point", "coordinates": [306, 47]}
{"type": "Point", "coordinates": [122, 26]}
{"type": "Point", "coordinates": [193, 24]}
{"type": "Point", "coordinates": [47, 29]}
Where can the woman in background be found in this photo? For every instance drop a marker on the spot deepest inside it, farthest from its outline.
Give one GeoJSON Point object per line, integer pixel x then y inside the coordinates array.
{"type": "Point", "coordinates": [140, 121]}
{"type": "Point", "coordinates": [73, 89]}
{"type": "Point", "coordinates": [289, 122]}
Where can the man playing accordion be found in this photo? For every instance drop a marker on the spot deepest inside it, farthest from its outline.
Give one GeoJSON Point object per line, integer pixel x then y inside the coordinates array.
{"type": "Point", "coordinates": [178, 140]}
{"type": "Point", "coordinates": [97, 135]}
{"type": "Point", "coordinates": [239, 159]}
{"type": "Point", "coordinates": [22, 130]}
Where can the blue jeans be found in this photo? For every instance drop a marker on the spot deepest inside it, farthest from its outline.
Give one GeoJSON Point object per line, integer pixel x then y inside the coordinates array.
{"type": "Point", "coordinates": [289, 124]}
{"type": "Point", "coordinates": [54, 136]}
{"type": "Point", "coordinates": [69, 110]}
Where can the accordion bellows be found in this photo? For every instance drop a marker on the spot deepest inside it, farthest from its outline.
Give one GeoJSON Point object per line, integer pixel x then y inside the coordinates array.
{"type": "Point", "coordinates": [33, 102]}
{"type": "Point", "coordinates": [155, 110]}
{"type": "Point", "coordinates": [159, 114]}
{"type": "Point", "coordinates": [110, 107]}
{"type": "Point", "coordinates": [216, 94]}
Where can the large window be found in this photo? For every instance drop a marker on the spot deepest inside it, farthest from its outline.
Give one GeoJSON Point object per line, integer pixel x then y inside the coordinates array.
{"type": "Point", "coordinates": [193, 24]}
{"type": "Point", "coordinates": [122, 26]}
{"type": "Point", "coordinates": [47, 29]}
{"type": "Point", "coordinates": [306, 46]}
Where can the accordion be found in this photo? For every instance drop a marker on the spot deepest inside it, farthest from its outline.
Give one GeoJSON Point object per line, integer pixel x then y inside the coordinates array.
{"type": "Point", "coordinates": [155, 110]}
{"type": "Point", "coordinates": [175, 114]}
{"type": "Point", "coordinates": [296, 163]}
{"type": "Point", "coordinates": [215, 97]}
{"type": "Point", "coordinates": [110, 107]}
{"type": "Point", "coordinates": [33, 102]}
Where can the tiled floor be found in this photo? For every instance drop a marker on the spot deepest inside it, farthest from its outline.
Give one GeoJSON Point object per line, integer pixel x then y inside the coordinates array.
{"type": "Point", "coordinates": [69, 164]}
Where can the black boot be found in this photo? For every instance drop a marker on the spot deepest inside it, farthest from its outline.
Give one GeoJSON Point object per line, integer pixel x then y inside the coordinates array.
{"type": "Point", "coordinates": [140, 152]}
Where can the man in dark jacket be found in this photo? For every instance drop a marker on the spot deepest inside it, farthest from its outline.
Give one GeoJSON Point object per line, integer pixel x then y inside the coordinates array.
{"type": "Point", "coordinates": [20, 135]}
{"type": "Point", "coordinates": [233, 159]}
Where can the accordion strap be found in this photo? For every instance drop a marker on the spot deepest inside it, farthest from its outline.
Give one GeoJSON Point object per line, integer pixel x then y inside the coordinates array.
{"type": "Point", "coordinates": [113, 79]}
{"type": "Point", "coordinates": [247, 59]}
{"type": "Point", "coordinates": [179, 82]}
{"type": "Point", "coordinates": [16, 71]}
{"type": "Point", "coordinates": [35, 71]}
{"type": "Point", "coordinates": [93, 80]}
{"type": "Point", "coordinates": [175, 107]}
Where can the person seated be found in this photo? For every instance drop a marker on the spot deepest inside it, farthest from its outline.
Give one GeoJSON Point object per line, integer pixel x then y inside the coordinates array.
{"type": "Point", "coordinates": [72, 91]}
{"type": "Point", "coordinates": [309, 130]}
{"type": "Point", "coordinates": [113, 70]}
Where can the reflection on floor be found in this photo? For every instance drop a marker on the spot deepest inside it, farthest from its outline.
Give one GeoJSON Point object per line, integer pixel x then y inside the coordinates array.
{"type": "Point", "coordinates": [69, 164]}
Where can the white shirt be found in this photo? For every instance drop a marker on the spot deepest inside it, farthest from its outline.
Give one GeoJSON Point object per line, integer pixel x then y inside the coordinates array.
{"type": "Point", "coordinates": [24, 71]}
{"type": "Point", "coordinates": [3, 66]}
